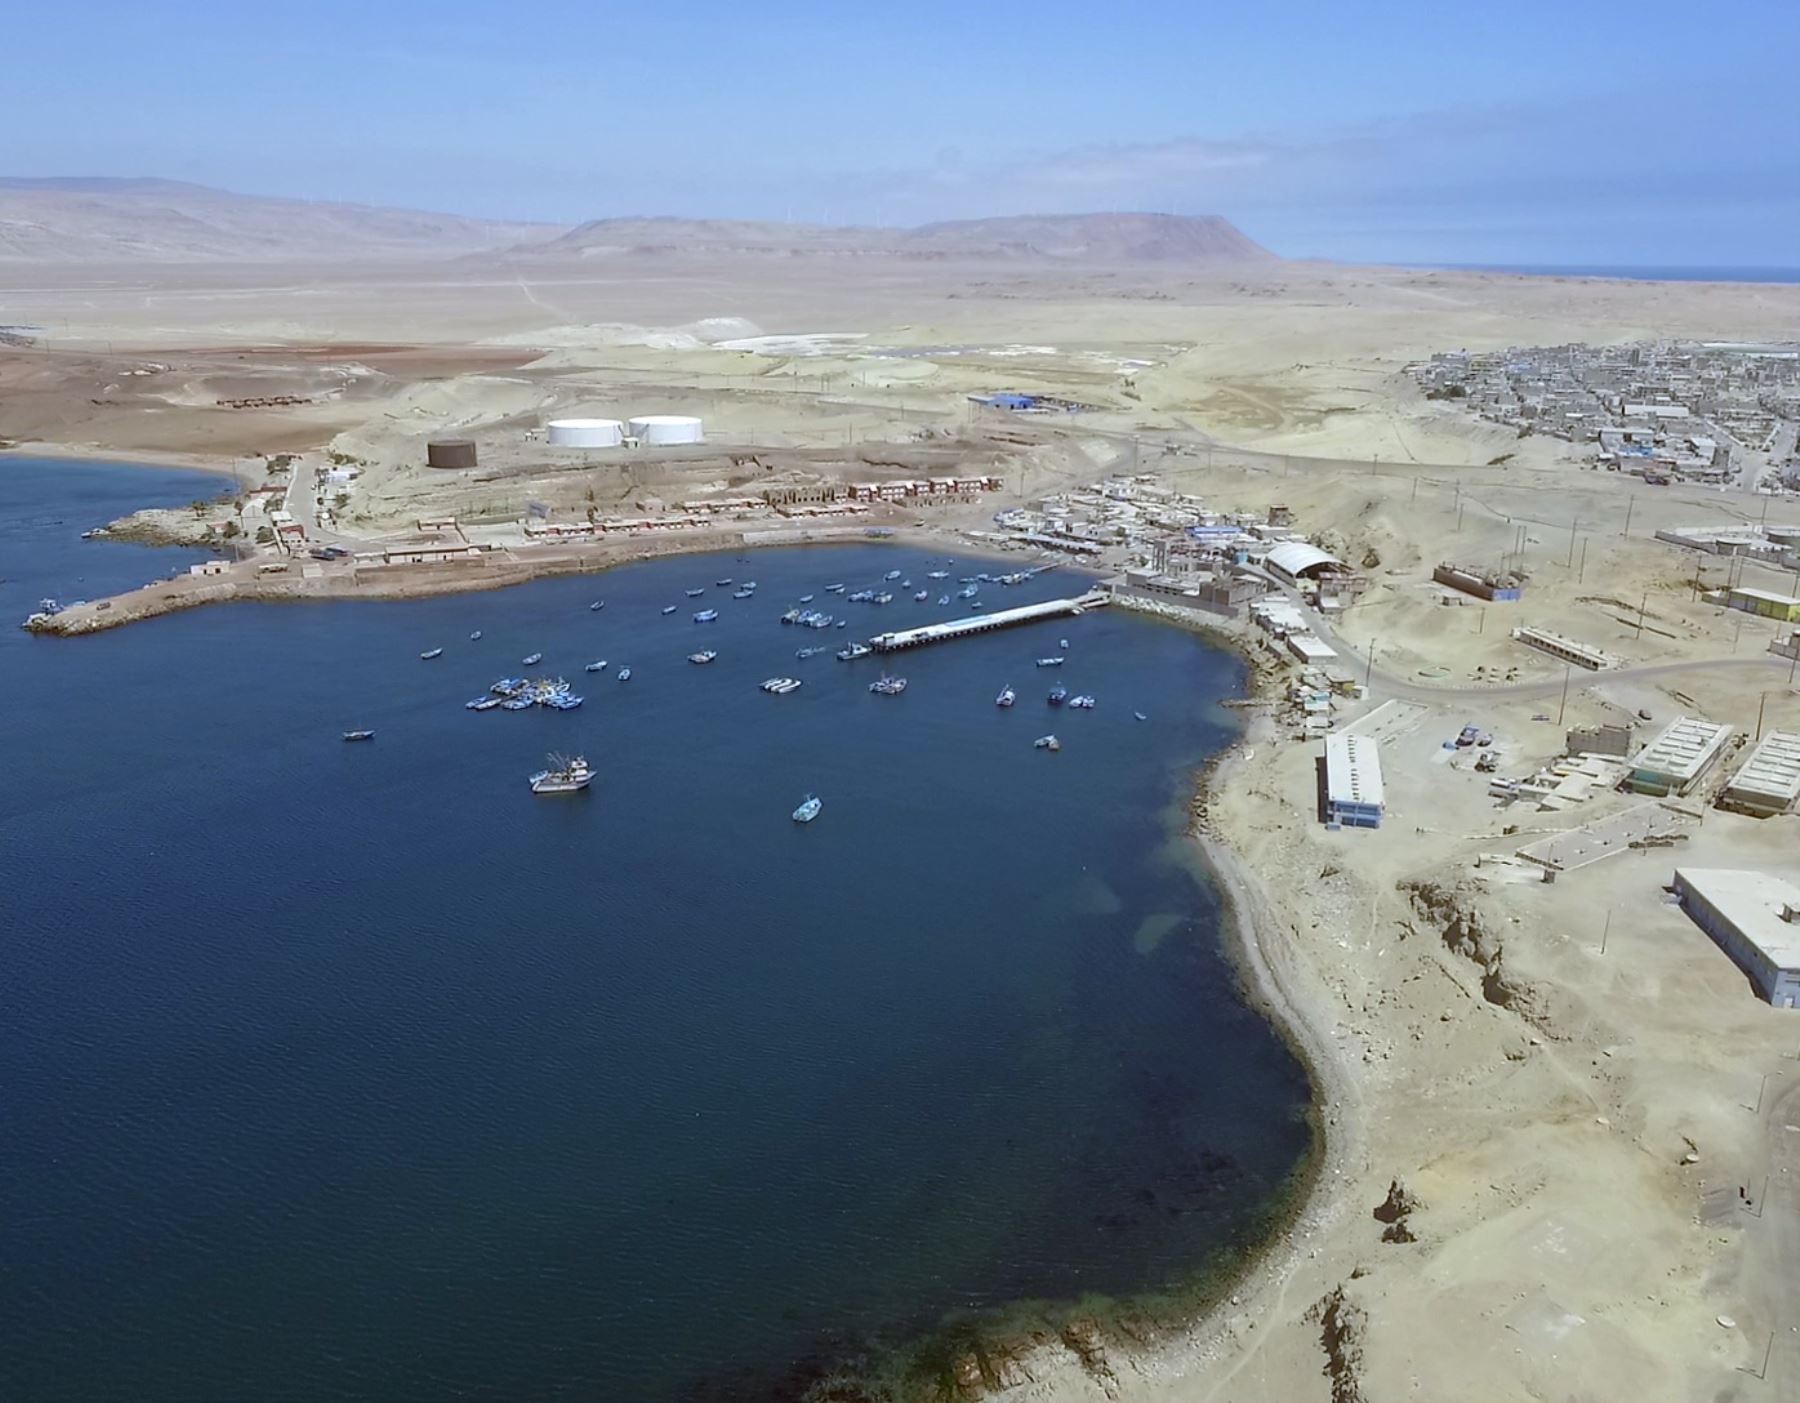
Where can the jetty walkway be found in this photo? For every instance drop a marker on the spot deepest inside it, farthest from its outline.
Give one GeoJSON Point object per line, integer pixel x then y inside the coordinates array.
{"type": "Point", "coordinates": [985, 623]}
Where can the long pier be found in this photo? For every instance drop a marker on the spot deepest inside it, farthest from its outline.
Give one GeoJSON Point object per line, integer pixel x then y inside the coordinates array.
{"type": "Point", "coordinates": [985, 623]}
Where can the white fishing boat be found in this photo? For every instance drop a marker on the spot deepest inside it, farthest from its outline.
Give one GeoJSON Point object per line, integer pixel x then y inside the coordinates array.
{"type": "Point", "coordinates": [668, 608]}
{"type": "Point", "coordinates": [623, 674]}
{"type": "Point", "coordinates": [475, 637]}
{"type": "Point", "coordinates": [1047, 743]}
{"type": "Point", "coordinates": [705, 655]}
{"type": "Point", "coordinates": [563, 776]}
{"type": "Point", "coordinates": [808, 811]}
{"type": "Point", "coordinates": [888, 686]}
{"type": "Point", "coordinates": [1006, 698]}
{"type": "Point", "coordinates": [599, 666]}
{"type": "Point", "coordinates": [431, 653]}
{"type": "Point", "coordinates": [531, 660]}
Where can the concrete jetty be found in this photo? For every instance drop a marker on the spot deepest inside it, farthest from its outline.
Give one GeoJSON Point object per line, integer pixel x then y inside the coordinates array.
{"type": "Point", "coordinates": [985, 623]}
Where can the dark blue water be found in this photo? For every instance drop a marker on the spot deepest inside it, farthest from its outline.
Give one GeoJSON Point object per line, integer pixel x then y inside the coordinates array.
{"type": "Point", "coordinates": [358, 1072]}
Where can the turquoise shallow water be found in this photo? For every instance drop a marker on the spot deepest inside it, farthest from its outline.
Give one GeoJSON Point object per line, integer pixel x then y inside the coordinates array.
{"type": "Point", "coordinates": [342, 1072]}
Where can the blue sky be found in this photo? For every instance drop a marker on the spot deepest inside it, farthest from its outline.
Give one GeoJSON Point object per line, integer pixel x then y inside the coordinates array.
{"type": "Point", "coordinates": [1583, 131]}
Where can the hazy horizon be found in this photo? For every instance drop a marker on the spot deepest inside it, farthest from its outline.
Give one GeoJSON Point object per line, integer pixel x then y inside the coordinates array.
{"type": "Point", "coordinates": [1535, 136]}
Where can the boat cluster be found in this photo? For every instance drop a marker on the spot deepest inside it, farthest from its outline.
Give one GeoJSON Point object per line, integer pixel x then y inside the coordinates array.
{"type": "Point", "coordinates": [781, 686]}
{"type": "Point", "coordinates": [811, 618]}
{"type": "Point", "coordinates": [523, 693]}
{"type": "Point", "coordinates": [888, 686]}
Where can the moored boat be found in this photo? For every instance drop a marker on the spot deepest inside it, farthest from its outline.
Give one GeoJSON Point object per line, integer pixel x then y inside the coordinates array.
{"type": "Point", "coordinates": [809, 810]}
{"type": "Point", "coordinates": [531, 660]}
{"type": "Point", "coordinates": [597, 606]}
{"type": "Point", "coordinates": [1049, 662]}
{"type": "Point", "coordinates": [854, 651]}
{"type": "Point", "coordinates": [1047, 743]}
{"type": "Point", "coordinates": [888, 686]}
{"type": "Point", "coordinates": [359, 735]}
{"type": "Point", "coordinates": [695, 593]}
{"type": "Point", "coordinates": [706, 616]}
{"type": "Point", "coordinates": [781, 686]}
{"type": "Point", "coordinates": [705, 655]}
{"type": "Point", "coordinates": [623, 674]}
{"type": "Point", "coordinates": [1006, 698]}
{"type": "Point", "coordinates": [598, 666]}
{"type": "Point", "coordinates": [475, 637]}
{"type": "Point", "coordinates": [563, 776]}
{"type": "Point", "coordinates": [668, 608]}
{"type": "Point", "coordinates": [431, 653]}
{"type": "Point", "coordinates": [1058, 695]}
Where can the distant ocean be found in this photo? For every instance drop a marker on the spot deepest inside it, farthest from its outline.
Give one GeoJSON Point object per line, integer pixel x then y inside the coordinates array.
{"type": "Point", "coordinates": [1649, 273]}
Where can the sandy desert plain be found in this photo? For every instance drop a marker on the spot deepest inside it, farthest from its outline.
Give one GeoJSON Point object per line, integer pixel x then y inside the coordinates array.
{"type": "Point", "coordinates": [1595, 1120]}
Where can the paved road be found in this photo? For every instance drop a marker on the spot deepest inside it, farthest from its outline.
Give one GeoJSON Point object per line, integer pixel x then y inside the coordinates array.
{"type": "Point", "coordinates": [1771, 1278]}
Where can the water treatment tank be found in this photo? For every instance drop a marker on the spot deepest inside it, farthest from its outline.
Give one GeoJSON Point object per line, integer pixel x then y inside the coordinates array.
{"type": "Point", "coordinates": [653, 429]}
{"type": "Point", "coordinates": [585, 433]}
{"type": "Point", "coordinates": [450, 452]}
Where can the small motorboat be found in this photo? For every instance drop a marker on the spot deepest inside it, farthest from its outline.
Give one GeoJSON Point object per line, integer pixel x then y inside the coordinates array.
{"type": "Point", "coordinates": [431, 653]}
{"type": "Point", "coordinates": [888, 686]}
{"type": "Point", "coordinates": [1057, 696]}
{"type": "Point", "coordinates": [891, 575]}
{"type": "Point", "coordinates": [1063, 643]}
{"type": "Point", "coordinates": [1140, 716]}
{"type": "Point", "coordinates": [599, 666]}
{"type": "Point", "coordinates": [1006, 698]}
{"type": "Point", "coordinates": [808, 811]}
{"type": "Point", "coordinates": [748, 584]}
{"type": "Point", "coordinates": [597, 606]}
{"type": "Point", "coordinates": [475, 637]}
{"type": "Point", "coordinates": [486, 703]}
{"type": "Point", "coordinates": [706, 616]}
{"type": "Point", "coordinates": [668, 609]}
{"type": "Point", "coordinates": [1047, 743]}
{"type": "Point", "coordinates": [1081, 703]}
{"type": "Point", "coordinates": [359, 735]}
{"type": "Point", "coordinates": [706, 655]}
{"type": "Point", "coordinates": [531, 660]}
{"type": "Point", "coordinates": [695, 593]}
{"type": "Point", "coordinates": [921, 596]}
{"type": "Point", "coordinates": [834, 589]}
{"type": "Point", "coordinates": [724, 583]}
{"type": "Point", "coordinates": [781, 686]}
{"type": "Point", "coordinates": [743, 594]}
{"type": "Point", "coordinates": [943, 599]}
{"type": "Point", "coordinates": [806, 599]}
{"type": "Point", "coordinates": [1049, 662]}
{"type": "Point", "coordinates": [854, 651]}
{"type": "Point", "coordinates": [623, 674]}
{"type": "Point", "coordinates": [810, 652]}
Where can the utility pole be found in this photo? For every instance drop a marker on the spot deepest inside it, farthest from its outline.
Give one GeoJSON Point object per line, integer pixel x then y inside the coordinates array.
{"type": "Point", "coordinates": [1581, 574]}
{"type": "Point", "coordinates": [1369, 676]}
{"type": "Point", "coordinates": [1563, 704]}
{"type": "Point", "coordinates": [1642, 603]}
{"type": "Point", "coordinates": [1570, 564]}
{"type": "Point", "coordinates": [1761, 702]}
{"type": "Point", "coordinates": [1630, 502]}
{"type": "Point", "coordinates": [1606, 930]}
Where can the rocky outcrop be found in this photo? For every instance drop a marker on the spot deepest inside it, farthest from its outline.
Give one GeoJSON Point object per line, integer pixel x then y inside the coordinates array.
{"type": "Point", "coordinates": [1342, 1324]}
{"type": "Point", "coordinates": [1395, 1210]}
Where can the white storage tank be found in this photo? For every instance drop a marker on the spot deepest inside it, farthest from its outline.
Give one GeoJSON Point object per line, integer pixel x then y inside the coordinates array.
{"type": "Point", "coordinates": [585, 433]}
{"type": "Point", "coordinates": [666, 429]}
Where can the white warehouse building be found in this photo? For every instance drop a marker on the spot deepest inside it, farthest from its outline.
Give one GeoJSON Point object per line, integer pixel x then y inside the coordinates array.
{"type": "Point", "coordinates": [584, 433]}
{"type": "Point", "coordinates": [661, 430]}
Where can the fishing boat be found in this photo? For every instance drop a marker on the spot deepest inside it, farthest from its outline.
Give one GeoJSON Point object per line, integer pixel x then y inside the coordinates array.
{"type": "Point", "coordinates": [808, 811]}
{"type": "Point", "coordinates": [431, 653]}
{"type": "Point", "coordinates": [599, 666]}
{"type": "Point", "coordinates": [748, 584]}
{"type": "Point", "coordinates": [1081, 703]}
{"type": "Point", "coordinates": [668, 608]}
{"type": "Point", "coordinates": [487, 703]}
{"type": "Point", "coordinates": [475, 637]}
{"type": "Point", "coordinates": [705, 655]}
{"type": "Point", "coordinates": [806, 599]}
{"type": "Point", "coordinates": [891, 575]}
{"type": "Point", "coordinates": [1057, 696]}
{"type": "Point", "coordinates": [724, 583]}
{"type": "Point", "coordinates": [359, 735]}
{"type": "Point", "coordinates": [1050, 662]}
{"type": "Point", "coordinates": [937, 574]}
{"type": "Point", "coordinates": [834, 589]}
{"type": "Point", "coordinates": [810, 652]}
{"type": "Point", "coordinates": [1047, 743]}
{"type": "Point", "coordinates": [562, 776]}
{"type": "Point", "coordinates": [781, 686]}
{"type": "Point", "coordinates": [1140, 716]}
{"type": "Point", "coordinates": [968, 591]}
{"type": "Point", "coordinates": [623, 674]}
{"type": "Point", "coordinates": [706, 616]}
{"type": "Point", "coordinates": [943, 599]}
{"type": "Point", "coordinates": [695, 593]}
{"type": "Point", "coordinates": [597, 606]}
{"type": "Point", "coordinates": [1006, 698]}
{"type": "Point", "coordinates": [921, 596]}
{"type": "Point", "coordinates": [517, 704]}
{"type": "Point", "coordinates": [885, 686]}
{"type": "Point", "coordinates": [841, 623]}
{"type": "Point", "coordinates": [792, 616]}
{"type": "Point", "coordinates": [854, 651]}
{"type": "Point", "coordinates": [884, 598]}
{"type": "Point", "coordinates": [1063, 643]}
{"type": "Point", "coordinates": [743, 594]}
{"type": "Point", "coordinates": [531, 660]}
